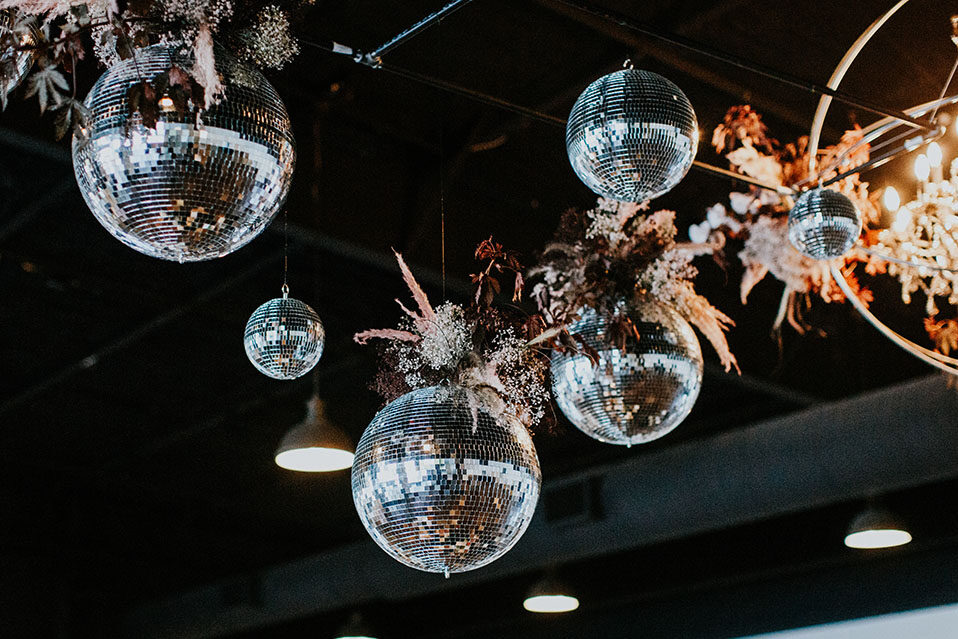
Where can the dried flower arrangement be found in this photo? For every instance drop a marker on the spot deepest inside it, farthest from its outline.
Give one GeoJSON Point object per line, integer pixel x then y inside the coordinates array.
{"type": "Point", "coordinates": [617, 250]}
{"type": "Point", "coordinates": [487, 350]}
{"type": "Point", "coordinates": [759, 218]}
{"type": "Point", "coordinates": [254, 32]}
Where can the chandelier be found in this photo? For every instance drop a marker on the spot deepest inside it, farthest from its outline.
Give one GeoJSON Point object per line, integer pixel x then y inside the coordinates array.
{"type": "Point", "coordinates": [921, 245]}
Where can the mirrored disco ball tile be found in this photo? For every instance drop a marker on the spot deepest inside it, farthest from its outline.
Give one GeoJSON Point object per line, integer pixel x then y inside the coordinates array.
{"type": "Point", "coordinates": [634, 395]}
{"type": "Point", "coordinates": [439, 492]}
{"type": "Point", "coordinates": [284, 338]}
{"type": "Point", "coordinates": [824, 224]}
{"type": "Point", "coordinates": [632, 135]}
{"type": "Point", "coordinates": [199, 185]}
{"type": "Point", "coordinates": [22, 61]}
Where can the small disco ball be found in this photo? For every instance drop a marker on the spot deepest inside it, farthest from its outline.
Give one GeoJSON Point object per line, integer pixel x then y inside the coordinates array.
{"type": "Point", "coordinates": [15, 65]}
{"type": "Point", "coordinates": [823, 224]}
{"type": "Point", "coordinates": [284, 338]}
{"type": "Point", "coordinates": [440, 490]}
{"type": "Point", "coordinates": [632, 135]}
{"type": "Point", "coordinates": [198, 186]}
{"type": "Point", "coordinates": [635, 395]}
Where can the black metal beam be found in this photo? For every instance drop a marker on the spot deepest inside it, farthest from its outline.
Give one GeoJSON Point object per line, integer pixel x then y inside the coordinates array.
{"type": "Point", "coordinates": [832, 453]}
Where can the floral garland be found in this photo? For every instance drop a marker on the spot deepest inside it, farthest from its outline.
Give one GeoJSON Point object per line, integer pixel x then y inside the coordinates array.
{"type": "Point", "coordinates": [759, 218]}
{"type": "Point", "coordinates": [601, 256]}
{"type": "Point", "coordinates": [477, 347]}
{"type": "Point", "coordinates": [57, 32]}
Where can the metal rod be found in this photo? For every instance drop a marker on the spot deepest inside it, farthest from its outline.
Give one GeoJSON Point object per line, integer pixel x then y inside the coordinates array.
{"type": "Point", "coordinates": [416, 29]}
{"type": "Point", "coordinates": [478, 96]}
{"type": "Point", "coordinates": [884, 158]}
{"type": "Point", "coordinates": [740, 63]}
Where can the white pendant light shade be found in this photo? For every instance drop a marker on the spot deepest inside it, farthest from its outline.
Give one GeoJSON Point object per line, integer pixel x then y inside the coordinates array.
{"type": "Point", "coordinates": [876, 528]}
{"type": "Point", "coordinates": [315, 445]}
{"type": "Point", "coordinates": [355, 628]}
{"type": "Point", "coordinates": [550, 596]}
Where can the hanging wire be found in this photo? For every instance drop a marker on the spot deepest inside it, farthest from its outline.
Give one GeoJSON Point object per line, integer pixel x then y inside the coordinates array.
{"type": "Point", "coordinates": [442, 187]}
{"type": "Point", "coordinates": [944, 89]}
{"type": "Point", "coordinates": [285, 252]}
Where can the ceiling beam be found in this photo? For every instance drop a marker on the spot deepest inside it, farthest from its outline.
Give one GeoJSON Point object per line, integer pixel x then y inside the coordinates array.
{"type": "Point", "coordinates": [895, 438]}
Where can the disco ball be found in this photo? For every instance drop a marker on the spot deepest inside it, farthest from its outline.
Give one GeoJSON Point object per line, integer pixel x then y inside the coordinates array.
{"type": "Point", "coordinates": [439, 491]}
{"type": "Point", "coordinates": [823, 224]}
{"type": "Point", "coordinates": [284, 338]}
{"type": "Point", "coordinates": [632, 135]}
{"type": "Point", "coordinates": [635, 395]}
{"type": "Point", "coordinates": [15, 65]}
{"type": "Point", "coordinates": [198, 186]}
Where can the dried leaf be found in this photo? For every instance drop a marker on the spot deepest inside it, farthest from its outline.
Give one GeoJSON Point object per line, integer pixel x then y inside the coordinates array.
{"type": "Point", "coordinates": [385, 333]}
{"type": "Point", "coordinates": [49, 85]}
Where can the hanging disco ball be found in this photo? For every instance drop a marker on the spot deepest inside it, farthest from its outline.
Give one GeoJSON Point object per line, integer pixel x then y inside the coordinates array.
{"type": "Point", "coordinates": [284, 338]}
{"type": "Point", "coordinates": [635, 395]}
{"type": "Point", "coordinates": [15, 65]}
{"type": "Point", "coordinates": [632, 135]}
{"type": "Point", "coordinates": [201, 184]}
{"type": "Point", "coordinates": [823, 224]}
{"type": "Point", "coordinates": [439, 491]}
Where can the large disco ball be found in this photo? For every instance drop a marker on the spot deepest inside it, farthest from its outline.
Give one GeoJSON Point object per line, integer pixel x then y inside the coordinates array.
{"type": "Point", "coordinates": [284, 338]}
{"type": "Point", "coordinates": [632, 135]}
{"type": "Point", "coordinates": [439, 491]}
{"type": "Point", "coordinates": [635, 395]}
{"type": "Point", "coordinates": [15, 65]}
{"type": "Point", "coordinates": [823, 224]}
{"type": "Point", "coordinates": [201, 184]}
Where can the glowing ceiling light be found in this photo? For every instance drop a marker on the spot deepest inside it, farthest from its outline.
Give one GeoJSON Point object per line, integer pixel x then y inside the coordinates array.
{"type": "Point", "coordinates": [876, 528]}
{"type": "Point", "coordinates": [551, 603]}
{"type": "Point", "coordinates": [315, 445]}
{"type": "Point", "coordinates": [891, 199]}
{"type": "Point", "coordinates": [550, 596]}
{"type": "Point", "coordinates": [922, 167]}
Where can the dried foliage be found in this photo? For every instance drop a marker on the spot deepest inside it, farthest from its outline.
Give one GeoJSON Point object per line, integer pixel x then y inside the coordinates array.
{"type": "Point", "coordinates": [613, 252]}
{"type": "Point", "coordinates": [944, 333]}
{"type": "Point", "coordinates": [488, 350]}
{"type": "Point", "coordinates": [257, 32]}
{"type": "Point", "coordinates": [758, 218]}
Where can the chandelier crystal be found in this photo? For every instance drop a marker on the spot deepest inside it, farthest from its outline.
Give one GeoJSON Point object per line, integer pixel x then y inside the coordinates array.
{"type": "Point", "coordinates": [922, 241]}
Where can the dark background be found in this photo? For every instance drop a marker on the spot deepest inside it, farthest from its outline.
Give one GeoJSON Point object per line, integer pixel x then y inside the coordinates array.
{"type": "Point", "coordinates": [136, 440]}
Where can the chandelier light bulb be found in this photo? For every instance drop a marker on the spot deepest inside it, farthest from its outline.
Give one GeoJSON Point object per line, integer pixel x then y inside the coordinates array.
{"type": "Point", "coordinates": [922, 168]}
{"type": "Point", "coordinates": [902, 220]}
{"type": "Point", "coordinates": [934, 155]}
{"type": "Point", "coordinates": [891, 199]}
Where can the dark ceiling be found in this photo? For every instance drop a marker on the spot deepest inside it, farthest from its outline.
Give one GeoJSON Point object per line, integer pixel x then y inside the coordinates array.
{"type": "Point", "coordinates": [137, 439]}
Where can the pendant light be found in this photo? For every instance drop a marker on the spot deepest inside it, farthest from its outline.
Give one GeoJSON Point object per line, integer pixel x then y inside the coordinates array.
{"type": "Point", "coordinates": [355, 628]}
{"type": "Point", "coordinates": [315, 445]}
{"type": "Point", "coordinates": [874, 528]}
{"type": "Point", "coordinates": [549, 595]}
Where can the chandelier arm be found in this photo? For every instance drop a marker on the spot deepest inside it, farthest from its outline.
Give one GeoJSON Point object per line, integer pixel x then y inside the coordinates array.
{"type": "Point", "coordinates": [885, 158]}
{"type": "Point", "coordinates": [838, 75]}
{"type": "Point", "coordinates": [898, 260]}
{"type": "Point", "coordinates": [942, 362]}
